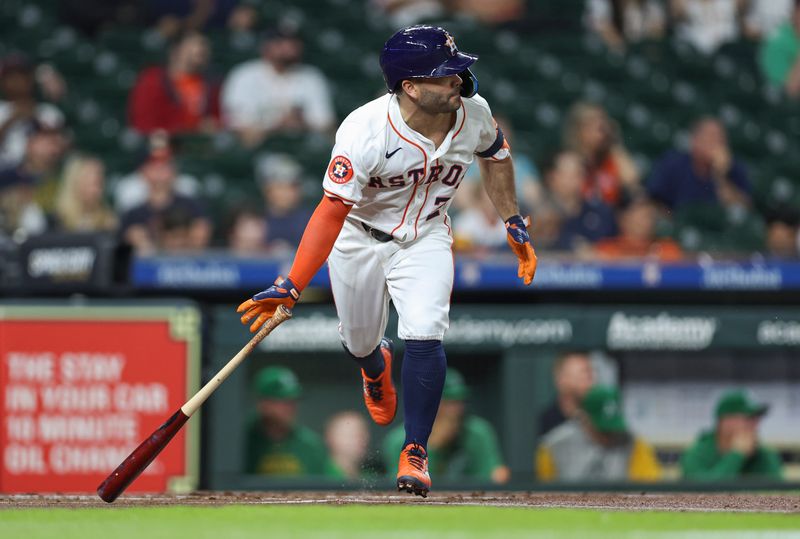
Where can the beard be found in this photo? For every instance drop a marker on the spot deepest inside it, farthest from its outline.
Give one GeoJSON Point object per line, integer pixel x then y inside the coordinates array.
{"type": "Point", "coordinates": [434, 103]}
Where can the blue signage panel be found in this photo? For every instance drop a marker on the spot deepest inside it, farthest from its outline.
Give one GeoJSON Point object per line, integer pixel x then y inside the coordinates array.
{"type": "Point", "coordinates": [222, 272]}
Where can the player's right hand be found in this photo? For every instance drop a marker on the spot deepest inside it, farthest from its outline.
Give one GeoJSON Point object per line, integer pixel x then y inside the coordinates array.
{"type": "Point", "coordinates": [520, 243]}
{"type": "Point", "coordinates": [264, 304]}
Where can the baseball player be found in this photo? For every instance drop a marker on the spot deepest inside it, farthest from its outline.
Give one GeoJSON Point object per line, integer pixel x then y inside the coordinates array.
{"type": "Point", "coordinates": [383, 226]}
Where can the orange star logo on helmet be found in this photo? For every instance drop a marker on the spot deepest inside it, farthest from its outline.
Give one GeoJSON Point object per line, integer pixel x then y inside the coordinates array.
{"type": "Point", "coordinates": [450, 42]}
{"type": "Point", "coordinates": [340, 169]}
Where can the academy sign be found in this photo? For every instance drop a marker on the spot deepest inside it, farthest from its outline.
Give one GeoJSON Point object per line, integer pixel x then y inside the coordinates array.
{"type": "Point", "coordinates": [660, 332]}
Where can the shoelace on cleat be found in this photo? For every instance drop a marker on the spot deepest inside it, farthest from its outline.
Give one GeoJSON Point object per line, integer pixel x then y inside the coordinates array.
{"type": "Point", "coordinates": [373, 390]}
{"type": "Point", "coordinates": [416, 457]}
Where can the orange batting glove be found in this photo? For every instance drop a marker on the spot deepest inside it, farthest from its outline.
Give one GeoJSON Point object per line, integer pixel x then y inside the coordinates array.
{"type": "Point", "coordinates": [520, 243]}
{"type": "Point", "coordinates": [264, 304]}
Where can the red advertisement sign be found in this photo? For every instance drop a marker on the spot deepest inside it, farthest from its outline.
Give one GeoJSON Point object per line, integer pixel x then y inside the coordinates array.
{"type": "Point", "coordinates": [78, 395]}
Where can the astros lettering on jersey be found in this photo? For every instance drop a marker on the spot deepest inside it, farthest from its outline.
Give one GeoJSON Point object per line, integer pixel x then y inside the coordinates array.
{"type": "Point", "coordinates": [394, 178]}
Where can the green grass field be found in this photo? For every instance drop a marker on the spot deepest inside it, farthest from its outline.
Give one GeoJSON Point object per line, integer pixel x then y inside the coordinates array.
{"type": "Point", "coordinates": [354, 521]}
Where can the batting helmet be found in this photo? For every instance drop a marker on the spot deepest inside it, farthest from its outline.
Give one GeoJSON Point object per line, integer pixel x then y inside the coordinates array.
{"type": "Point", "coordinates": [426, 51]}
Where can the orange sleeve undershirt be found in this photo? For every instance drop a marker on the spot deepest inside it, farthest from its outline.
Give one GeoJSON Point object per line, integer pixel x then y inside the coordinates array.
{"type": "Point", "coordinates": [321, 232]}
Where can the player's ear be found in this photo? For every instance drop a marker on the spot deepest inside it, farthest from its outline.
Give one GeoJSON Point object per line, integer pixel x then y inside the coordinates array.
{"type": "Point", "coordinates": [408, 86]}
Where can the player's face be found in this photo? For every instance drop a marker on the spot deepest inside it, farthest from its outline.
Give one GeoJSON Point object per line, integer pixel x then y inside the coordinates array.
{"type": "Point", "coordinates": [159, 173]}
{"type": "Point", "coordinates": [639, 221]}
{"type": "Point", "coordinates": [278, 411]}
{"type": "Point", "coordinates": [782, 239]}
{"type": "Point", "coordinates": [576, 376]}
{"type": "Point", "coordinates": [732, 425]}
{"type": "Point", "coordinates": [348, 435]}
{"type": "Point", "coordinates": [708, 137]}
{"type": "Point", "coordinates": [90, 184]}
{"type": "Point", "coordinates": [16, 84]}
{"type": "Point", "coordinates": [566, 178]}
{"type": "Point", "coordinates": [196, 51]}
{"type": "Point", "coordinates": [438, 95]}
{"type": "Point", "coordinates": [595, 130]}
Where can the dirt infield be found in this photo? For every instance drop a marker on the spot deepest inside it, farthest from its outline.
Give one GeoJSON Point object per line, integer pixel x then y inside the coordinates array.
{"type": "Point", "coordinates": [647, 502]}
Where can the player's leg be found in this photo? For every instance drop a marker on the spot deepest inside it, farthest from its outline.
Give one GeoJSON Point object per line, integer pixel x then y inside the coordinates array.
{"type": "Point", "coordinates": [362, 304]}
{"type": "Point", "coordinates": [420, 282]}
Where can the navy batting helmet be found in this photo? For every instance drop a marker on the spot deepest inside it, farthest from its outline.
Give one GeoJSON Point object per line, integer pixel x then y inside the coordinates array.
{"type": "Point", "coordinates": [426, 51]}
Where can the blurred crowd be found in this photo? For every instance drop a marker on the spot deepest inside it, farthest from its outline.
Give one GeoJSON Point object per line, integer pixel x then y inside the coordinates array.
{"type": "Point", "coordinates": [588, 196]}
{"type": "Point", "coordinates": [583, 436]}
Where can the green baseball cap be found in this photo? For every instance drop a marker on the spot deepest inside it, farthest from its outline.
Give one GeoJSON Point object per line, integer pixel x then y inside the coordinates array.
{"type": "Point", "coordinates": [603, 406]}
{"type": "Point", "coordinates": [737, 402]}
{"type": "Point", "coordinates": [455, 389]}
{"type": "Point", "coordinates": [277, 383]}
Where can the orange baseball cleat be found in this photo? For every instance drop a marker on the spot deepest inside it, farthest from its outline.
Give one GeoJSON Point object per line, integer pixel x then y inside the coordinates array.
{"type": "Point", "coordinates": [412, 471]}
{"type": "Point", "coordinates": [380, 395]}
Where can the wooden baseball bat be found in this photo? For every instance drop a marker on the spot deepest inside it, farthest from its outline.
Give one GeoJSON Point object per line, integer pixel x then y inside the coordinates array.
{"type": "Point", "coordinates": [141, 457]}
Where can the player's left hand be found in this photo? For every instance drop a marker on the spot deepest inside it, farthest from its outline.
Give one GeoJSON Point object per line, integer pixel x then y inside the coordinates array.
{"type": "Point", "coordinates": [264, 304]}
{"type": "Point", "coordinates": [520, 243]}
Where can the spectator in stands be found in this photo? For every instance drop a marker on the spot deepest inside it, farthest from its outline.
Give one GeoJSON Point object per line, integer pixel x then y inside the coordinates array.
{"type": "Point", "coordinates": [347, 439]}
{"type": "Point", "coordinates": [20, 113]}
{"type": "Point", "coordinates": [581, 220]}
{"type": "Point", "coordinates": [573, 375]}
{"type": "Point", "coordinates": [780, 55]}
{"type": "Point", "coordinates": [610, 172]}
{"type": "Point", "coordinates": [51, 83]}
{"type": "Point", "coordinates": [402, 13]}
{"type": "Point", "coordinates": [171, 17]}
{"type": "Point", "coordinates": [179, 97]}
{"type": "Point", "coordinates": [526, 175]}
{"type": "Point", "coordinates": [20, 215]}
{"type": "Point", "coordinates": [477, 228]}
{"type": "Point", "coordinates": [48, 81]}
{"type": "Point", "coordinates": [95, 16]}
{"type": "Point", "coordinates": [44, 160]}
{"type": "Point", "coordinates": [247, 231]}
{"type": "Point", "coordinates": [783, 232]}
{"type": "Point", "coordinates": [40, 168]}
{"type": "Point", "coordinates": [167, 220]}
{"type": "Point", "coordinates": [637, 238]}
{"type": "Point", "coordinates": [765, 16]}
{"type": "Point", "coordinates": [132, 190]}
{"type": "Point", "coordinates": [619, 22]}
{"type": "Point", "coordinates": [493, 13]}
{"type": "Point", "coordinates": [546, 226]}
{"type": "Point", "coordinates": [461, 445]}
{"type": "Point", "coordinates": [276, 93]}
{"type": "Point", "coordinates": [80, 206]}
{"type": "Point", "coordinates": [732, 450]}
{"type": "Point", "coordinates": [243, 19]}
{"type": "Point", "coordinates": [596, 445]}
{"type": "Point", "coordinates": [280, 178]}
{"type": "Point", "coordinates": [707, 24]}
{"type": "Point", "coordinates": [275, 443]}
{"type": "Point", "coordinates": [707, 174]}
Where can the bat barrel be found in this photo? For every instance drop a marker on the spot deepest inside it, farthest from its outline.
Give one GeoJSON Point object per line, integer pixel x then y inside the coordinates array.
{"type": "Point", "coordinates": [116, 483]}
{"type": "Point", "coordinates": [140, 458]}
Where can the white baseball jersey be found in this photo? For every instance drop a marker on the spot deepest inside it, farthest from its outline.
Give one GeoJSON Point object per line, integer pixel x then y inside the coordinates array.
{"type": "Point", "coordinates": [400, 184]}
{"type": "Point", "coordinates": [395, 179]}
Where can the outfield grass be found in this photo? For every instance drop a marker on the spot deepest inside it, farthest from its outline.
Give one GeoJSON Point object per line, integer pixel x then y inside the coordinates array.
{"type": "Point", "coordinates": [353, 521]}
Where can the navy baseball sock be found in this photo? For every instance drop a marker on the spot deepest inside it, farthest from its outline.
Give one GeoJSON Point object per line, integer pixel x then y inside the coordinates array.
{"type": "Point", "coordinates": [424, 369]}
{"type": "Point", "coordinates": [372, 364]}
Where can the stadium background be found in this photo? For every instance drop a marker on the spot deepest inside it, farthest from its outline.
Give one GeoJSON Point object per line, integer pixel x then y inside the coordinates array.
{"type": "Point", "coordinates": [532, 70]}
